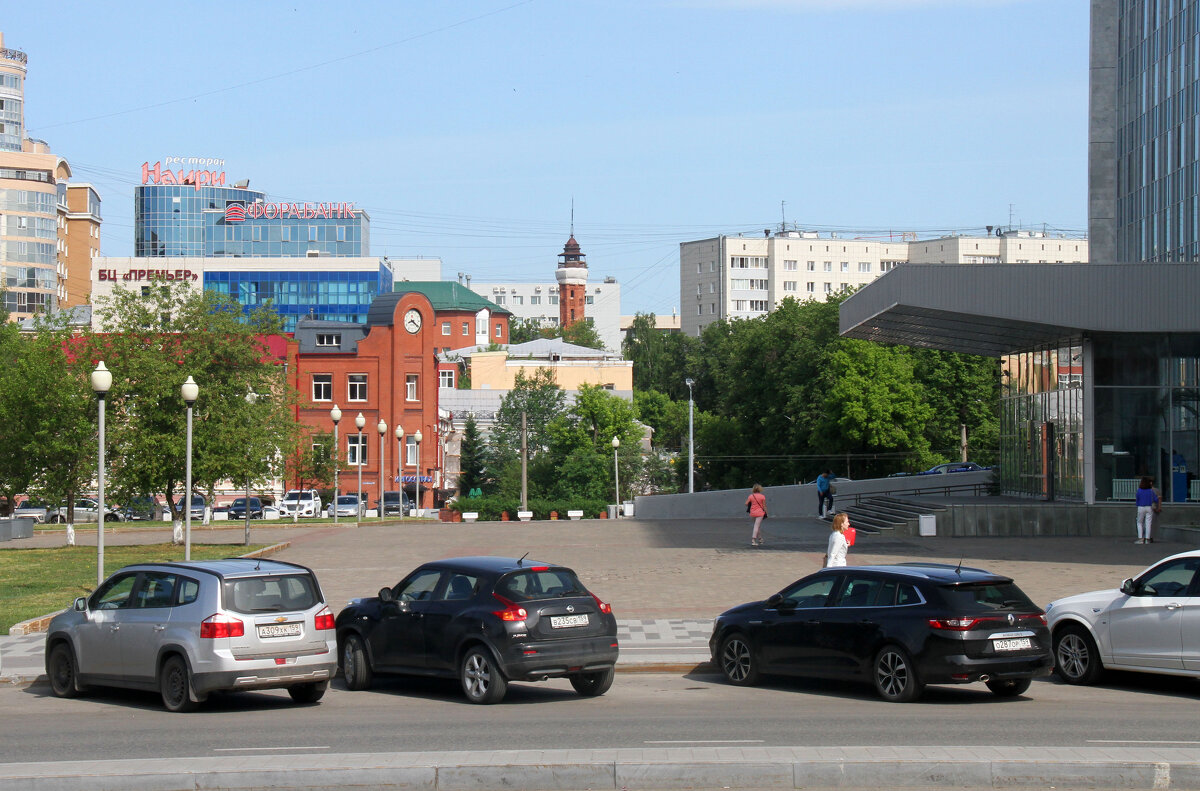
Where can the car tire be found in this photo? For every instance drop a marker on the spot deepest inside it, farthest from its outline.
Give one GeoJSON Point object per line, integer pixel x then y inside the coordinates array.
{"type": "Point", "coordinates": [356, 668]}
{"type": "Point", "coordinates": [481, 680]}
{"type": "Point", "coordinates": [1076, 658]}
{"type": "Point", "coordinates": [308, 693]}
{"type": "Point", "coordinates": [591, 685]}
{"type": "Point", "coordinates": [1009, 688]}
{"type": "Point", "coordinates": [175, 685]}
{"type": "Point", "coordinates": [895, 676]}
{"type": "Point", "coordinates": [63, 671]}
{"type": "Point", "coordinates": [738, 663]}
{"type": "Point", "coordinates": [56, 519]}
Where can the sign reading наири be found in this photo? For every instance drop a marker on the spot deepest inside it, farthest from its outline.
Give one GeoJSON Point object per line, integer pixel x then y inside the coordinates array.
{"type": "Point", "coordinates": [187, 172]}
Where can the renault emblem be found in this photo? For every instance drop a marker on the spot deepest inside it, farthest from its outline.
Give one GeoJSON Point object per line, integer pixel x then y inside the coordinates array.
{"type": "Point", "coordinates": [570, 608]}
{"type": "Point", "coordinates": [1012, 619]}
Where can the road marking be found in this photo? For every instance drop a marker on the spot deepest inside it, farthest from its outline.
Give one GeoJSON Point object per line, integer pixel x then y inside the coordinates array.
{"type": "Point", "coordinates": [263, 749]}
{"type": "Point", "coordinates": [1137, 741]}
{"type": "Point", "coordinates": [708, 741]}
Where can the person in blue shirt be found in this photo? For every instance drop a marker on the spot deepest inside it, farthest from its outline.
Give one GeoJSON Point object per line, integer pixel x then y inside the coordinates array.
{"type": "Point", "coordinates": [824, 493]}
{"type": "Point", "coordinates": [1148, 503]}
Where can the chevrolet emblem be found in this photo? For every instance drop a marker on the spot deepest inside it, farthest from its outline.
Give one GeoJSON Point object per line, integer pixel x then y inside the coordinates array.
{"type": "Point", "coordinates": [283, 619]}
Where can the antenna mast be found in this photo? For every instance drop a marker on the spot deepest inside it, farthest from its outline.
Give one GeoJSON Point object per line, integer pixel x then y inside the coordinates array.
{"type": "Point", "coordinates": [782, 217]}
{"type": "Point", "coordinates": [572, 215]}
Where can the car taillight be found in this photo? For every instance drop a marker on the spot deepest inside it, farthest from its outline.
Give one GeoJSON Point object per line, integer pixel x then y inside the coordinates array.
{"type": "Point", "coordinates": [954, 624]}
{"type": "Point", "coordinates": [604, 607]}
{"type": "Point", "coordinates": [217, 625]}
{"type": "Point", "coordinates": [324, 619]}
{"type": "Point", "coordinates": [511, 611]}
{"type": "Point", "coordinates": [1038, 620]}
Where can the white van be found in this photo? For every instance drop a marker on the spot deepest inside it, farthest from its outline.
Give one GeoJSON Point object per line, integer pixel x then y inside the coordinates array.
{"type": "Point", "coordinates": [300, 502]}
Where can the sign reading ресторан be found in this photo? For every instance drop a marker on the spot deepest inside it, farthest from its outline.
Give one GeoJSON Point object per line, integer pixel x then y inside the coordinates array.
{"type": "Point", "coordinates": [240, 212]}
{"type": "Point", "coordinates": [147, 274]}
{"type": "Point", "coordinates": [186, 172]}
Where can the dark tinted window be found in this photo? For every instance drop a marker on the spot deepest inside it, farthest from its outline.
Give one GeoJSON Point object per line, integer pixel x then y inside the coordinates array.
{"type": "Point", "coordinates": [973, 597]}
{"type": "Point", "coordinates": [1168, 579]}
{"type": "Point", "coordinates": [158, 589]}
{"type": "Point", "coordinates": [907, 594]}
{"type": "Point", "coordinates": [810, 593]}
{"type": "Point", "coordinates": [189, 590]}
{"type": "Point", "coordinates": [539, 584]}
{"type": "Point", "coordinates": [862, 592]}
{"type": "Point", "coordinates": [114, 594]}
{"type": "Point", "coordinates": [270, 594]}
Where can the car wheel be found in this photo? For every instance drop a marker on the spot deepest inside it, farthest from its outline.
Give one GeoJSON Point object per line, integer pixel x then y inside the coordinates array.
{"type": "Point", "coordinates": [593, 684]}
{"type": "Point", "coordinates": [56, 519]}
{"type": "Point", "coordinates": [308, 693]}
{"type": "Point", "coordinates": [1009, 688]}
{"type": "Point", "coordinates": [1076, 660]}
{"type": "Point", "coordinates": [738, 662]}
{"type": "Point", "coordinates": [481, 679]}
{"type": "Point", "coordinates": [175, 684]}
{"type": "Point", "coordinates": [895, 677]}
{"type": "Point", "coordinates": [63, 672]}
{"type": "Point", "coordinates": [356, 668]}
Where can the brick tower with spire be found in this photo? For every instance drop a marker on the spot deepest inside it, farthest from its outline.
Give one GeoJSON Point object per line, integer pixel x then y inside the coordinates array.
{"type": "Point", "coordinates": [572, 277]}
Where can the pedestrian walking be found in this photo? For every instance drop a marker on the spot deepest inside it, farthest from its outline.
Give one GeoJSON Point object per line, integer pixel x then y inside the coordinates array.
{"type": "Point", "coordinates": [835, 551]}
{"type": "Point", "coordinates": [1148, 504]}
{"type": "Point", "coordinates": [756, 506]}
{"type": "Point", "coordinates": [825, 493]}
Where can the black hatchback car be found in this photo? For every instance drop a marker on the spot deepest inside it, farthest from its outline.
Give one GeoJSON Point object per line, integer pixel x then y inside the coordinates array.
{"type": "Point", "coordinates": [237, 510]}
{"type": "Point", "coordinates": [486, 621]}
{"type": "Point", "coordinates": [900, 627]}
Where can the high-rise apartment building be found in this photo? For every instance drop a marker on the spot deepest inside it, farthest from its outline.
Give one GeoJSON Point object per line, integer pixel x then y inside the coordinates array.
{"type": "Point", "coordinates": [1144, 131]}
{"type": "Point", "coordinates": [740, 277]}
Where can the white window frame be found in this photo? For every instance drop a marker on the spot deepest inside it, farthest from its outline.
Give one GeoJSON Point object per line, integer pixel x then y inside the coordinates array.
{"type": "Point", "coordinates": [325, 381]}
{"type": "Point", "coordinates": [354, 449]}
{"type": "Point", "coordinates": [411, 391]}
{"type": "Point", "coordinates": [445, 328]}
{"type": "Point", "coordinates": [356, 382]}
{"type": "Point", "coordinates": [446, 379]}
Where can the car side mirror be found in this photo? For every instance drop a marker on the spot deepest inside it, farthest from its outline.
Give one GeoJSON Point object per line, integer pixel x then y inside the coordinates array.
{"type": "Point", "coordinates": [81, 604]}
{"type": "Point", "coordinates": [777, 602]}
{"type": "Point", "coordinates": [1128, 588]}
{"type": "Point", "coordinates": [385, 595]}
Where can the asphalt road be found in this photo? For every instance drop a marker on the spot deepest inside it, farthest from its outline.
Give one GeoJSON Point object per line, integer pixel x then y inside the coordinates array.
{"type": "Point", "coordinates": [641, 711]}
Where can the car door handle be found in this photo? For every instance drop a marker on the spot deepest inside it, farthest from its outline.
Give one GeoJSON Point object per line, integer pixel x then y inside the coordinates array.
{"type": "Point", "coordinates": [867, 621]}
{"type": "Point", "coordinates": [114, 628]}
{"type": "Point", "coordinates": [158, 627]}
{"type": "Point", "coordinates": [1173, 605]}
{"type": "Point", "coordinates": [813, 622]}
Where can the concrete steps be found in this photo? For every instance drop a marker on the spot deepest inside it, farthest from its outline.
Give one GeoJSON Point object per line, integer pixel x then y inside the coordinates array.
{"type": "Point", "coordinates": [887, 514]}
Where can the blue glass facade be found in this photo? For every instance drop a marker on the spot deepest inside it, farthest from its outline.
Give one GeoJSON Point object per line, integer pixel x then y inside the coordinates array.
{"type": "Point", "coordinates": [328, 294]}
{"type": "Point", "coordinates": [286, 237]}
{"type": "Point", "coordinates": [169, 220]}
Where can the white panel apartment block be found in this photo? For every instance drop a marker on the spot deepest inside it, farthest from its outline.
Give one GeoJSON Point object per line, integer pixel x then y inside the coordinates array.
{"type": "Point", "coordinates": [539, 302]}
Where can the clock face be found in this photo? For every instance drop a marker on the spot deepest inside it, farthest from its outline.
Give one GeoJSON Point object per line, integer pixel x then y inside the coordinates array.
{"type": "Point", "coordinates": [412, 320]}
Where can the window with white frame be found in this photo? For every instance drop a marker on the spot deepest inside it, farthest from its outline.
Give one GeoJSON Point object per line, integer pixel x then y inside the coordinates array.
{"type": "Point", "coordinates": [812, 266]}
{"type": "Point", "coordinates": [410, 387]}
{"type": "Point", "coordinates": [445, 328]}
{"type": "Point", "coordinates": [518, 299]}
{"type": "Point", "coordinates": [699, 310]}
{"type": "Point", "coordinates": [864, 266]}
{"type": "Point", "coordinates": [790, 266]}
{"type": "Point", "coordinates": [410, 451]}
{"type": "Point", "coordinates": [739, 283]}
{"type": "Point", "coordinates": [789, 285]}
{"type": "Point", "coordinates": [499, 330]}
{"type": "Point", "coordinates": [325, 339]}
{"type": "Point", "coordinates": [845, 266]}
{"type": "Point", "coordinates": [828, 266]}
{"type": "Point", "coordinates": [499, 299]}
{"type": "Point", "coordinates": [553, 298]}
{"type": "Point", "coordinates": [712, 287]}
{"type": "Point", "coordinates": [356, 387]}
{"type": "Point", "coordinates": [446, 379]}
{"type": "Point", "coordinates": [535, 300]}
{"type": "Point", "coordinates": [699, 267]}
{"type": "Point", "coordinates": [739, 304]}
{"type": "Point", "coordinates": [356, 449]}
{"type": "Point", "coordinates": [758, 304]}
{"type": "Point", "coordinates": [810, 287]}
{"type": "Point", "coordinates": [322, 387]}
{"type": "Point", "coordinates": [829, 288]}
{"type": "Point", "coordinates": [758, 285]}
{"type": "Point", "coordinates": [466, 328]}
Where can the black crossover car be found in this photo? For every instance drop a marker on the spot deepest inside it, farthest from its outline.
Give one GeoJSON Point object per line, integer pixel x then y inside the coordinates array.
{"type": "Point", "coordinates": [237, 510]}
{"type": "Point", "coordinates": [486, 621]}
{"type": "Point", "coordinates": [900, 627]}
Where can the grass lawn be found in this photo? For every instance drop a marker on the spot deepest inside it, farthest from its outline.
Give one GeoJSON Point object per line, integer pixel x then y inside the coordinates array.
{"type": "Point", "coordinates": [36, 582]}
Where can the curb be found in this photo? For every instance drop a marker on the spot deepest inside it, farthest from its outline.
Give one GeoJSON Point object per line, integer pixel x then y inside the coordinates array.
{"type": "Point", "coordinates": [40, 623]}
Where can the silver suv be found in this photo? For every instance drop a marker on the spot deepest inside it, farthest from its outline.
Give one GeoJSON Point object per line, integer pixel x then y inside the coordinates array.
{"type": "Point", "coordinates": [188, 629]}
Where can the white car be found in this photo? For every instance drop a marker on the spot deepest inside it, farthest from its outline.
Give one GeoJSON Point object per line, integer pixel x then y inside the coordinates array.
{"type": "Point", "coordinates": [300, 502]}
{"type": "Point", "coordinates": [347, 505]}
{"type": "Point", "coordinates": [1151, 624]}
{"type": "Point", "coordinates": [86, 510]}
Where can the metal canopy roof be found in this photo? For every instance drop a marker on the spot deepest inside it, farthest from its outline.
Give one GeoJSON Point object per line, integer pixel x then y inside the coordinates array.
{"type": "Point", "coordinates": [995, 309]}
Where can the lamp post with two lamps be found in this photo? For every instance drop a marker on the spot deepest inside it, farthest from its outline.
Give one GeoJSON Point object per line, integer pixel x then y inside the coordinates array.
{"type": "Point", "coordinates": [335, 415]}
{"type": "Point", "coordinates": [359, 422]}
{"type": "Point", "coordinates": [616, 443]}
{"type": "Point", "coordinates": [691, 439]}
{"type": "Point", "coordinates": [381, 427]}
{"type": "Point", "coordinates": [101, 383]}
{"type": "Point", "coordinates": [190, 392]}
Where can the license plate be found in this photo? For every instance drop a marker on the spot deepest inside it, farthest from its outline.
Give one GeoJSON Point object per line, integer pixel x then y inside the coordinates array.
{"type": "Point", "coordinates": [279, 630]}
{"type": "Point", "coordinates": [1016, 644]}
{"type": "Point", "coordinates": [563, 621]}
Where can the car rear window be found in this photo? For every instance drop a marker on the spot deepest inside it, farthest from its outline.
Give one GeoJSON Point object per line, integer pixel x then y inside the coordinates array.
{"type": "Point", "coordinates": [974, 597]}
{"type": "Point", "coordinates": [539, 583]}
{"type": "Point", "coordinates": [270, 593]}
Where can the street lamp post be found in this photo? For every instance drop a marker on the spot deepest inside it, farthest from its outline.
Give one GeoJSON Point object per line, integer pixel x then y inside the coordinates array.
{"type": "Point", "coordinates": [101, 382]}
{"type": "Point", "coordinates": [417, 476]}
{"type": "Point", "coordinates": [400, 466]}
{"type": "Point", "coordinates": [691, 439]}
{"type": "Point", "coordinates": [190, 392]}
{"type": "Point", "coordinates": [381, 426]}
{"type": "Point", "coordinates": [616, 443]}
{"type": "Point", "coordinates": [359, 422]}
{"type": "Point", "coordinates": [335, 415]}
{"type": "Point", "coordinates": [251, 400]}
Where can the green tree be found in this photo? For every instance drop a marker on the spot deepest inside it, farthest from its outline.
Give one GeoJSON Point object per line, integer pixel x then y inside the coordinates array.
{"type": "Point", "coordinates": [472, 458]}
{"type": "Point", "coordinates": [155, 340]}
{"type": "Point", "coordinates": [582, 333]}
{"type": "Point", "coordinates": [662, 361]}
{"type": "Point", "coordinates": [19, 410]}
{"type": "Point", "coordinates": [314, 461]}
{"type": "Point", "coordinates": [541, 399]}
{"type": "Point", "coordinates": [589, 426]}
{"type": "Point", "coordinates": [961, 390]}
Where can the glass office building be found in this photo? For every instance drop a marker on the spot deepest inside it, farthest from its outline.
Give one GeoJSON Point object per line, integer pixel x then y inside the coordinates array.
{"type": "Point", "coordinates": [325, 294]}
{"type": "Point", "coordinates": [170, 220]}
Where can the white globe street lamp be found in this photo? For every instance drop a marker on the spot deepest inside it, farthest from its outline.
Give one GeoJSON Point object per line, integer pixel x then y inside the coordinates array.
{"type": "Point", "coordinates": [400, 465]}
{"type": "Point", "coordinates": [101, 384]}
{"type": "Point", "coordinates": [359, 423]}
{"type": "Point", "coordinates": [616, 443]}
{"type": "Point", "coordinates": [691, 439]}
{"type": "Point", "coordinates": [251, 400]}
{"type": "Point", "coordinates": [190, 392]}
{"type": "Point", "coordinates": [417, 477]}
{"type": "Point", "coordinates": [381, 427]}
{"type": "Point", "coordinates": [335, 415]}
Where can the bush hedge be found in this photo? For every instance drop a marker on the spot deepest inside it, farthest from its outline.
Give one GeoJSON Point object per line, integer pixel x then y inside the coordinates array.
{"type": "Point", "coordinates": [489, 507]}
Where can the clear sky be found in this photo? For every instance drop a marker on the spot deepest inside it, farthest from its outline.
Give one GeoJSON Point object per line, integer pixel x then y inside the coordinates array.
{"type": "Point", "coordinates": [466, 128]}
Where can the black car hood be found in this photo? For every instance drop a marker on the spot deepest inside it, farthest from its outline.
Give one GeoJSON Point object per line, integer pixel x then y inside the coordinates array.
{"type": "Point", "coordinates": [747, 607]}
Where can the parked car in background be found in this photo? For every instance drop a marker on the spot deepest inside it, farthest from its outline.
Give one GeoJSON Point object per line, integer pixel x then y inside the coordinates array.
{"type": "Point", "coordinates": [485, 620]}
{"type": "Point", "coordinates": [1148, 625]}
{"type": "Point", "coordinates": [347, 505]}
{"type": "Point", "coordinates": [237, 510]}
{"type": "Point", "coordinates": [188, 629]}
{"type": "Point", "coordinates": [954, 466]}
{"type": "Point", "coordinates": [86, 510]}
{"type": "Point", "coordinates": [220, 513]}
{"type": "Point", "coordinates": [140, 509]}
{"type": "Point", "coordinates": [897, 627]}
{"type": "Point", "coordinates": [198, 506]}
{"type": "Point", "coordinates": [300, 502]}
{"type": "Point", "coordinates": [394, 503]}
{"type": "Point", "coordinates": [35, 508]}
{"type": "Point", "coordinates": [270, 512]}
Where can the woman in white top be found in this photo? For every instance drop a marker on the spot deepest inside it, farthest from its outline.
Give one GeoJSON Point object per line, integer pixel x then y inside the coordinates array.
{"type": "Point", "coordinates": [835, 553]}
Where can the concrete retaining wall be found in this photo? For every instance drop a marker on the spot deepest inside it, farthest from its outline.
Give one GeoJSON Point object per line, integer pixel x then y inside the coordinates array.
{"type": "Point", "coordinates": [1176, 522]}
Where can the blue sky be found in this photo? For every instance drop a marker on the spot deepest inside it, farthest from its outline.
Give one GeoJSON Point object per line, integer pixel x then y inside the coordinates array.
{"type": "Point", "coordinates": [466, 128]}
